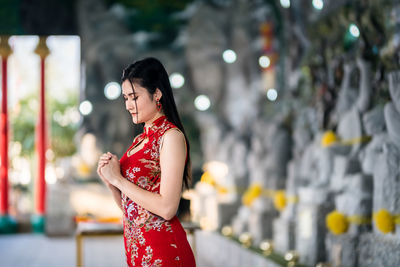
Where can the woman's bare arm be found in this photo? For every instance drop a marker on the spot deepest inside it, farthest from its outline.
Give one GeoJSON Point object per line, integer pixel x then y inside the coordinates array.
{"type": "Point", "coordinates": [116, 195]}
{"type": "Point", "coordinates": [172, 163]}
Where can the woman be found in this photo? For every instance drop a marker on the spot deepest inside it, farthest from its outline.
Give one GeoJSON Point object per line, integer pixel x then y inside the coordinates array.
{"type": "Point", "coordinates": [147, 181]}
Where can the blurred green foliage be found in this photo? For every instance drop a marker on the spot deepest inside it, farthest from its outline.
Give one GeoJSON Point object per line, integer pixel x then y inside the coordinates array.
{"type": "Point", "coordinates": [62, 128]}
{"type": "Point", "coordinates": [155, 16]}
{"type": "Point", "coordinates": [22, 120]}
{"type": "Point", "coordinates": [62, 134]}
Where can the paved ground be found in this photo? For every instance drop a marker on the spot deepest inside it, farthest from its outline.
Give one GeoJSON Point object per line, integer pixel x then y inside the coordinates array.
{"type": "Point", "coordinates": [36, 250]}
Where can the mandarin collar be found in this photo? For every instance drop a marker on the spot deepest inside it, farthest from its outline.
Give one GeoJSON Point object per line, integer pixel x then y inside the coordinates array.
{"type": "Point", "coordinates": [154, 126]}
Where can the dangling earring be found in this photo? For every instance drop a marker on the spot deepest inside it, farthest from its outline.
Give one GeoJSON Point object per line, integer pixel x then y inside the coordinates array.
{"type": "Point", "coordinates": [158, 104]}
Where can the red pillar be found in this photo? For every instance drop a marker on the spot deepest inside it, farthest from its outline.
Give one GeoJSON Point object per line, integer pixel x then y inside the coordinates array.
{"type": "Point", "coordinates": [41, 146]}
{"type": "Point", "coordinates": [7, 224]}
{"type": "Point", "coordinates": [5, 52]}
{"type": "Point", "coordinates": [38, 221]}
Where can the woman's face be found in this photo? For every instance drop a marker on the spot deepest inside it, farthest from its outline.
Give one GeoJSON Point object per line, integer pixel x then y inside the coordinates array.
{"type": "Point", "coordinates": [145, 108]}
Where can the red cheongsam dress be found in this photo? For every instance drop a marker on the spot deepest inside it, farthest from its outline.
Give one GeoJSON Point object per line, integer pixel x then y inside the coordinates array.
{"type": "Point", "coordinates": [149, 239]}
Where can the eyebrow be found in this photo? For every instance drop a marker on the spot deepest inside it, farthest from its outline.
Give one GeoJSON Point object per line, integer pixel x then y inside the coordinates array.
{"type": "Point", "coordinates": [130, 94]}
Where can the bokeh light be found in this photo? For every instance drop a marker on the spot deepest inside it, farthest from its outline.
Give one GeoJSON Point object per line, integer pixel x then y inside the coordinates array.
{"type": "Point", "coordinates": [272, 94]}
{"type": "Point", "coordinates": [264, 61]}
{"type": "Point", "coordinates": [177, 80]}
{"type": "Point", "coordinates": [202, 102]}
{"type": "Point", "coordinates": [354, 31]}
{"type": "Point", "coordinates": [285, 3]}
{"type": "Point", "coordinates": [229, 56]}
{"type": "Point", "coordinates": [112, 90]}
{"type": "Point", "coordinates": [85, 107]}
{"type": "Point", "coordinates": [318, 4]}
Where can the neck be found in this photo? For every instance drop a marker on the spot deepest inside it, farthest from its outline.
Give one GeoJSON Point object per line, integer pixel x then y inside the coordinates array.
{"type": "Point", "coordinates": [148, 123]}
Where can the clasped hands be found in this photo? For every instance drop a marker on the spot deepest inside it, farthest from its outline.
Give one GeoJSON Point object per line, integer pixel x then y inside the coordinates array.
{"type": "Point", "coordinates": [108, 169]}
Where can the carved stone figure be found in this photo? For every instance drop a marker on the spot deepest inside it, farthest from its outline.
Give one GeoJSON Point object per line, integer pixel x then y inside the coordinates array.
{"type": "Point", "coordinates": [365, 90]}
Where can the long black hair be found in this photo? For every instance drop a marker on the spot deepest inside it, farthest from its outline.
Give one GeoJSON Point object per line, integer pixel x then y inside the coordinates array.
{"type": "Point", "coordinates": [150, 74]}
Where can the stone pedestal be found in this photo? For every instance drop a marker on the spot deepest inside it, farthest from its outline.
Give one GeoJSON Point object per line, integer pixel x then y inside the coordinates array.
{"type": "Point", "coordinates": [261, 225]}
{"type": "Point", "coordinates": [342, 250]}
{"type": "Point", "coordinates": [225, 213]}
{"type": "Point", "coordinates": [60, 215]}
{"type": "Point", "coordinates": [208, 208]}
{"type": "Point", "coordinates": [313, 207]}
{"type": "Point", "coordinates": [284, 235]}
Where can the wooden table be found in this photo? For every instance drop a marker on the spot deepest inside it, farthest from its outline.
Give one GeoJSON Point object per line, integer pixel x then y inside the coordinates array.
{"type": "Point", "coordinates": [93, 229]}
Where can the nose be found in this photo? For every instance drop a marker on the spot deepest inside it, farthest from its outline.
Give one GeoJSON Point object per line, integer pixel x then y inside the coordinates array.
{"type": "Point", "coordinates": [129, 105]}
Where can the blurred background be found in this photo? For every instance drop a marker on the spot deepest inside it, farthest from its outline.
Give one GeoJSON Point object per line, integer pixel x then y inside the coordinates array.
{"type": "Point", "coordinates": [292, 110]}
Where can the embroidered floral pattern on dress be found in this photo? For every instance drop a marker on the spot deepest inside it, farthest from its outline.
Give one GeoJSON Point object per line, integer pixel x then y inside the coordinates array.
{"type": "Point", "coordinates": [146, 233]}
{"type": "Point", "coordinates": [147, 259]}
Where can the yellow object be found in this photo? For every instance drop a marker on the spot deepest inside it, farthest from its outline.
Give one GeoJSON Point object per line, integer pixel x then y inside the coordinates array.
{"type": "Point", "coordinates": [358, 219]}
{"type": "Point", "coordinates": [384, 221]}
{"type": "Point", "coordinates": [251, 194]}
{"type": "Point", "coordinates": [329, 138]}
{"type": "Point", "coordinates": [85, 218]}
{"type": "Point", "coordinates": [207, 178]}
{"type": "Point", "coordinates": [337, 223]}
{"type": "Point", "coordinates": [109, 220]}
{"type": "Point", "coordinates": [222, 190]}
{"type": "Point", "coordinates": [227, 231]}
{"type": "Point", "coordinates": [356, 140]}
{"type": "Point", "coordinates": [246, 239]}
{"type": "Point", "coordinates": [84, 169]}
{"type": "Point", "coordinates": [267, 247]}
{"type": "Point", "coordinates": [292, 258]}
{"type": "Point", "coordinates": [280, 200]}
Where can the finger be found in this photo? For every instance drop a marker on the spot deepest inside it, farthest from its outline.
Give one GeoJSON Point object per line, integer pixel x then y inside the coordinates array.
{"type": "Point", "coordinates": [102, 165]}
{"type": "Point", "coordinates": [100, 174]}
{"type": "Point", "coordinates": [99, 168]}
{"type": "Point", "coordinates": [102, 162]}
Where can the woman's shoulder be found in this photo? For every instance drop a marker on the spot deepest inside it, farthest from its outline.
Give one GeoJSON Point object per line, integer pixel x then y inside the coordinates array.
{"type": "Point", "coordinates": [174, 132]}
{"type": "Point", "coordinates": [173, 136]}
{"type": "Point", "coordinates": [166, 126]}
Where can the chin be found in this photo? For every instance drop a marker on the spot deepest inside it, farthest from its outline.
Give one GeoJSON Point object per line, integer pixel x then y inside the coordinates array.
{"type": "Point", "coordinates": [134, 120]}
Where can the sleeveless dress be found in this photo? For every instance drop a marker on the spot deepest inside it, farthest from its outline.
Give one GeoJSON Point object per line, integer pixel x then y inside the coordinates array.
{"type": "Point", "coordinates": [149, 239]}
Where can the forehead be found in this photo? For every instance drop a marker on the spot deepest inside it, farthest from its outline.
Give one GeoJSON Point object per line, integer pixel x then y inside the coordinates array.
{"type": "Point", "coordinates": [127, 88]}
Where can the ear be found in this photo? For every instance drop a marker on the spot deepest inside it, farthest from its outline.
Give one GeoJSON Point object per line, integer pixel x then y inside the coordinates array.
{"type": "Point", "coordinates": [158, 94]}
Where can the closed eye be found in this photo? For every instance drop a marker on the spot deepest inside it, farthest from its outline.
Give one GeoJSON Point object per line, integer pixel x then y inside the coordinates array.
{"type": "Point", "coordinates": [134, 98]}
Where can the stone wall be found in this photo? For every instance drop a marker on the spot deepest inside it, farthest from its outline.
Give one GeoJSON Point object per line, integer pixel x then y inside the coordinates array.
{"type": "Point", "coordinates": [330, 141]}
